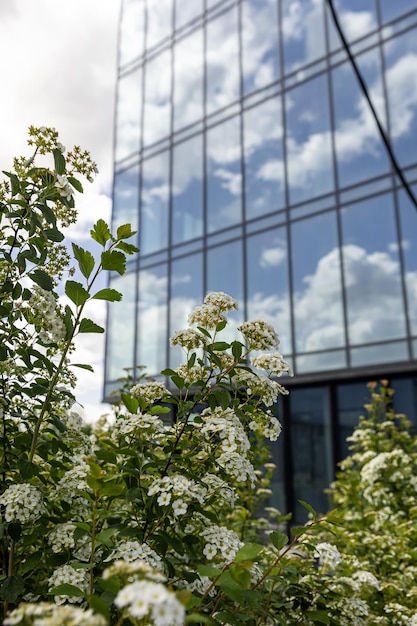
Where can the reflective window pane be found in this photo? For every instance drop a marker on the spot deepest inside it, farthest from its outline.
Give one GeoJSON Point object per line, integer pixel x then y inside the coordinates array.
{"type": "Point", "coordinates": [222, 61]}
{"type": "Point", "coordinates": [224, 179]}
{"type": "Point", "coordinates": [359, 148]}
{"type": "Point", "coordinates": [129, 107]}
{"type": "Point", "coordinates": [225, 273]}
{"type": "Point", "coordinates": [188, 80]}
{"type": "Point", "coordinates": [390, 10]}
{"type": "Point", "coordinates": [408, 244]}
{"type": "Point", "coordinates": [126, 199]}
{"type": "Point", "coordinates": [185, 11]}
{"type": "Point", "coordinates": [153, 225]}
{"type": "Point", "coordinates": [264, 165]}
{"type": "Point", "coordinates": [372, 271]}
{"type": "Point", "coordinates": [152, 319]}
{"type": "Point", "coordinates": [157, 124]}
{"type": "Point", "coordinates": [132, 25]}
{"type": "Point", "coordinates": [400, 75]}
{"type": "Point", "coordinates": [267, 276]}
{"type": "Point", "coordinates": [303, 32]}
{"type": "Point", "coordinates": [317, 298]}
{"type": "Point", "coordinates": [186, 294]}
{"type": "Point", "coordinates": [357, 18]}
{"type": "Point", "coordinates": [259, 43]}
{"type": "Point", "coordinates": [320, 362]}
{"type": "Point", "coordinates": [121, 328]}
{"type": "Point", "coordinates": [383, 353]}
{"type": "Point", "coordinates": [187, 190]}
{"type": "Point", "coordinates": [159, 21]}
{"type": "Point", "coordinates": [309, 147]}
{"type": "Point", "coordinates": [312, 462]}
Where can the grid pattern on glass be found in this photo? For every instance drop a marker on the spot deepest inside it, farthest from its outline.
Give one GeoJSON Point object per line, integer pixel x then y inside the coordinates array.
{"type": "Point", "coordinates": [121, 328]}
{"type": "Point", "coordinates": [152, 314]}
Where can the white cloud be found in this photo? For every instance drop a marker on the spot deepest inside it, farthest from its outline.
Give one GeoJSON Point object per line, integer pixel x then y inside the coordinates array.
{"type": "Point", "coordinates": [272, 257]}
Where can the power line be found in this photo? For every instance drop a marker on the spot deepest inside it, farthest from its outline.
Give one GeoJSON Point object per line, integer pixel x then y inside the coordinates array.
{"type": "Point", "coordinates": [364, 88]}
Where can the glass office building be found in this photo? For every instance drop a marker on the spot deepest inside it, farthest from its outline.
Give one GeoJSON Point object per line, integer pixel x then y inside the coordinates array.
{"type": "Point", "coordinates": [248, 160]}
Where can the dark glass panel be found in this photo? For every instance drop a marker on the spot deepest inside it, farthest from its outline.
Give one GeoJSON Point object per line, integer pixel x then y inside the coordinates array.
{"type": "Point", "coordinates": [351, 398]}
{"type": "Point", "coordinates": [152, 319]}
{"type": "Point", "coordinates": [153, 225]}
{"type": "Point", "coordinates": [264, 165]}
{"type": "Point", "coordinates": [267, 282]}
{"type": "Point", "coordinates": [259, 43]}
{"type": "Point", "coordinates": [224, 179]}
{"type": "Point", "coordinates": [188, 80]}
{"type": "Point", "coordinates": [408, 213]}
{"type": "Point", "coordinates": [317, 298]}
{"type": "Point", "coordinates": [400, 76]}
{"type": "Point", "coordinates": [187, 190]}
{"type": "Point", "coordinates": [309, 146]}
{"type": "Point", "coordinates": [129, 107]}
{"type": "Point", "coordinates": [131, 30]}
{"type": "Point", "coordinates": [375, 307]}
{"type": "Point", "coordinates": [222, 61]}
{"type": "Point", "coordinates": [126, 199]}
{"type": "Point", "coordinates": [359, 148]}
{"type": "Point", "coordinates": [159, 21]}
{"type": "Point", "coordinates": [157, 124]}
{"type": "Point", "coordinates": [405, 397]}
{"type": "Point", "coordinates": [312, 461]}
{"type": "Point", "coordinates": [185, 11]}
{"type": "Point", "coordinates": [303, 32]}
{"type": "Point", "coordinates": [186, 294]}
{"type": "Point", "coordinates": [121, 328]}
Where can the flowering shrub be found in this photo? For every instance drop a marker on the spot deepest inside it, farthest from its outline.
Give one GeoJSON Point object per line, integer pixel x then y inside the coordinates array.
{"type": "Point", "coordinates": [149, 519]}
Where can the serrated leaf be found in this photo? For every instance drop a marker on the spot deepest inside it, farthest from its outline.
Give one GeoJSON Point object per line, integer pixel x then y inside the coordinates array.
{"type": "Point", "coordinates": [297, 531]}
{"type": "Point", "coordinates": [130, 403]}
{"type": "Point", "coordinates": [111, 295]}
{"type": "Point", "coordinates": [114, 261]}
{"type": "Point", "coordinates": [59, 161]}
{"type": "Point", "coordinates": [208, 570]}
{"type": "Point", "coordinates": [42, 279]}
{"type": "Point", "coordinates": [124, 231]}
{"type": "Point", "coordinates": [248, 553]}
{"type": "Point", "coordinates": [76, 184]}
{"type": "Point", "coordinates": [76, 292]}
{"type": "Point", "coordinates": [85, 260]}
{"type": "Point", "coordinates": [88, 326]}
{"type": "Point", "coordinates": [278, 540]}
{"type": "Point", "coordinates": [128, 248]}
{"type": "Point", "coordinates": [100, 232]}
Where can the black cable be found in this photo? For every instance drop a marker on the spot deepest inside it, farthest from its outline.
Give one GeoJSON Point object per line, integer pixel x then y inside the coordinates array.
{"type": "Point", "coordinates": [364, 88]}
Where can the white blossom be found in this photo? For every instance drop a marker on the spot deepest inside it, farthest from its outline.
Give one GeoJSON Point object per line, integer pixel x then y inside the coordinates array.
{"type": "Point", "coordinates": [23, 502]}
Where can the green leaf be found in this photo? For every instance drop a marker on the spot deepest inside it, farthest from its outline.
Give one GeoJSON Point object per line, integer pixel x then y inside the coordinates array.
{"type": "Point", "coordinates": [111, 489]}
{"type": "Point", "coordinates": [27, 469]}
{"type": "Point", "coordinates": [208, 570]}
{"type": "Point", "coordinates": [42, 279]}
{"type": "Point", "coordinates": [53, 234]}
{"type": "Point", "coordinates": [219, 346]}
{"type": "Point", "coordinates": [88, 326]}
{"type": "Point", "coordinates": [178, 381]}
{"type": "Point", "coordinates": [75, 183]}
{"type": "Point", "coordinates": [308, 507]}
{"type": "Point", "coordinates": [297, 531]}
{"type": "Point", "coordinates": [197, 618]}
{"type": "Point", "coordinates": [228, 618]}
{"type": "Point", "coordinates": [11, 588]}
{"type": "Point", "coordinates": [128, 248]}
{"type": "Point", "coordinates": [59, 160]}
{"type": "Point", "coordinates": [130, 403]}
{"type": "Point", "coordinates": [318, 616]}
{"type": "Point", "coordinates": [99, 606]}
{"type": "Point", "coordinates": [278, 540]}
{"type": "Point", "coordinates": [124, 231]}
{"type": "Point", "coordinates": [83, 366]}
{"type": "Point", "coordinates": [100, 232]}
{"type": "Point", "coordinates": [15, 530]}
{"type": "Point", "coordinates": [85, 260]}
{"type": "Point", "coordinates": [237, 349]}
{"type": "Point", "coordinates": [114, 261]}
{"type": "Point", "coordinates": [76, 292]}
{"type": "Point", "coordinates": [248, 553]}
{"type": "Point", "coordinates": [111, 295]}
{"type": "Point", "coordinates": [66, 590]}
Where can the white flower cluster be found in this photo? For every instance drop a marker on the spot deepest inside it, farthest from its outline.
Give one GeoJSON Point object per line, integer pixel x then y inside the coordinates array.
{"type": "Point", "coordinates": [264, 388]}
{"type": "Point", "coordinates": [134, 551]}
{"type": "Point", "coordinates": [328, 555]}
{"type": "Point", "coordinates": [148, 598]}
{"type": "Point", "coordinates": [266, 424]}
{"type": "Point", "coordinates": [178, 491]}
{"type": "Point", "coordinates": [241, 468]}
{"type": "Point", "coordinates": [65, 189]}
{"type": "Point", "coordinates": [51, 614]}
{"type": "Point", "coordinates": [23, 502]}
{"type": "Point", "coordinates": [353, 611]}
{"type": "Point", "coordinates": [133, 570]}
{"type": "Point", "coordinates": [189, 339]}
{"type": "Point", "coordinates": [221, 489]}
{"type": "Point", "coordinates": [367, 579]}
{"type": "Point", "coordinates": [47, 316]}
{"type": "Point", "coordinates": [136, 424]}
{"type": "Point", "coordinates": [65, 574]}
{"type": "Point", "coordinates": [150, 391]}
{"type": "Point", "coordinates": [62, 537]}
{"type": "Point", "coordinates": [412, 620]}
{"type": "Point", "coordinates": [220, 542]}
{"type": "Point", "coordinates": [224, 427]}
{"type": "Point", "coordinates": [191, 374]}
{"type": "Point", "coordinates": [213, 310]}
{"type": "Point", "coordinates": [259, 334]}
{"type": "Point", "coordinates": [273, 363]}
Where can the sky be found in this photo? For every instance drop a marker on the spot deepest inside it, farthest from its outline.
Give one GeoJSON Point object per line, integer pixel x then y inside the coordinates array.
{"type": "Point", "coordinates": [58, 65]}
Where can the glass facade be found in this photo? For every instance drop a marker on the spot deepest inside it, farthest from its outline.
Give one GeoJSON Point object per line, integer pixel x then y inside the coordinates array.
{"type": "Point", "coordinates": [248, 160]}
